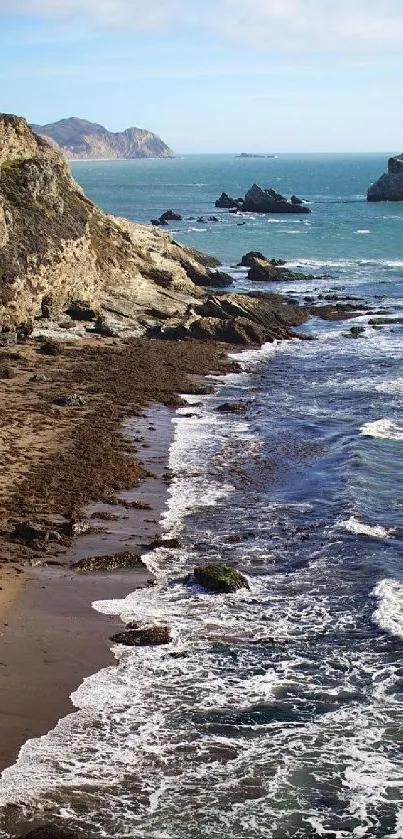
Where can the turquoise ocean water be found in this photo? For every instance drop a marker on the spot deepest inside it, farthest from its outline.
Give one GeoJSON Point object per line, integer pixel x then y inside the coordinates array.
{"type": "Point", "coordinates": [275, 712]}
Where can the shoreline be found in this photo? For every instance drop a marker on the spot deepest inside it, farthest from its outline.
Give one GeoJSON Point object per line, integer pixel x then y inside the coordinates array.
{"type": "Point", "coordinates": [52, 638]}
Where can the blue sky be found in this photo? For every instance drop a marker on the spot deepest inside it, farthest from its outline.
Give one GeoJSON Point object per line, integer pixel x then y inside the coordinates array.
{"type": "Point", "coordinates": [231, 75]}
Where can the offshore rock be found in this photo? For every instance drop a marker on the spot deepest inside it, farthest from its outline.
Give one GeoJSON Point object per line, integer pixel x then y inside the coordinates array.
{"type": "Point", "coordinates": [262, 269]}
{"type": "Point", "coordinates": [220, 578]}
{"type": "Point", "coordinates": [389, 187]}
{"type": "Point", "coordinates": [225, 202]}
{"type": "Point", "coordinates": [258, 200]}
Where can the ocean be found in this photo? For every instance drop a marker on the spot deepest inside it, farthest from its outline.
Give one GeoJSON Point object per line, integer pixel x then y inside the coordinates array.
{"type": "Point", "coordinates": [275, 712]}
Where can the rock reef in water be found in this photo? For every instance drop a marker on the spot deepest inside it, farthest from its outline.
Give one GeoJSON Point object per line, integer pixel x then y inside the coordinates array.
{"type": "Point", "coordinates": [60, 254]}
{"type": "Point", "coordinates": [79, 139]}
{"type": "Point", "coordinates": [262, 269]}
{"type": "Point", "coordinates": [389, 187]}
{"type": "Point", "coordinates": [220, 578]}
{"type": "Point", "coordinates": [259, 200]}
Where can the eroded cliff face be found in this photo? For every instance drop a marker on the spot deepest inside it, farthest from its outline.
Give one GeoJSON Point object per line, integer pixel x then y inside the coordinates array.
{"type": "Point", "coordinates": [56, 244]}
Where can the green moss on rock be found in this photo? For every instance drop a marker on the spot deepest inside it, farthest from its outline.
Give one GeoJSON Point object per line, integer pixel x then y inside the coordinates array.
{"type": "Point", "coordinates": [220, 578]}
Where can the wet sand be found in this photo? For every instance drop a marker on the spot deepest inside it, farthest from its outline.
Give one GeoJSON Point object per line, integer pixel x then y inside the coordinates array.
{"type": "Point", "coordinates": [50, 637]}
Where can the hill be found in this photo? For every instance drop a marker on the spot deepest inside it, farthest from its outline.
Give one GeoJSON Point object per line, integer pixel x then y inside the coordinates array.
{"type": "Point", "coordinates": [80, 139]}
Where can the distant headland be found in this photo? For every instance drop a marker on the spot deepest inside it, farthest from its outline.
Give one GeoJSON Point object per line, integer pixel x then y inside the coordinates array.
{"type": "Point", "coordinates": [79, 139]}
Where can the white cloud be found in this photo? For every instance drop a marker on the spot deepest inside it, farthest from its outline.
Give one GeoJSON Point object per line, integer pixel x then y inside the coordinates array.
{"type": "Point", "coordinates": [269, 23]}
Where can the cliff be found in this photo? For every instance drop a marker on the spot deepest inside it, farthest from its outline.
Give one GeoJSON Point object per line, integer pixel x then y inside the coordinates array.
{"type": "Point", "coordinates": [62, 259]}
{"type": "Point", "coordinates": [79, 139]}
{"type": "Point", "coordinates": [389, 187]}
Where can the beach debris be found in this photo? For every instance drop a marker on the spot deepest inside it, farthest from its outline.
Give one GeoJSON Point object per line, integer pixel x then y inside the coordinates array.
{"type": "Point", "coordinates": [149, 636]}
{"type": "Point", "coordinates": [69, 400]}
{"type": "Point", "coordinates": [220, 578]}
{"type": "Point", "coordinates": [109, 562]}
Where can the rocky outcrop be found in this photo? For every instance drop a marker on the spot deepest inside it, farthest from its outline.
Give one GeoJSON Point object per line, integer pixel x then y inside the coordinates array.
{"type": "Point", "coordinates": [169, 215]}
{"type": "Point", "coordinates": [389, 187]}
{"type": "Point", "coordinates": [80, 139]}
{"type": "Point", "coordinates": [220, 578]}
{"type": "Point", "coordinates": [60, 254]}
{"type": "Point", "coordinates": [57, 247]}
{"type": "Point", "coordinates": [237, 319]}
{"type": "Point", "coordinates": [258, 200]}
{"type": "Point", "coordinates": [263, 270]}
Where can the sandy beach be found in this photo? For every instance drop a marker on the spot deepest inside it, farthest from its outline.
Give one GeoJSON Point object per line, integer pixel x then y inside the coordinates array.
{"type": "Point", "coordinates": [104, 463]}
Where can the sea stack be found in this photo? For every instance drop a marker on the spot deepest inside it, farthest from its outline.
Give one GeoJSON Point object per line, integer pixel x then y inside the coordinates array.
{"type": "Point", "coordinates": [389, 187]}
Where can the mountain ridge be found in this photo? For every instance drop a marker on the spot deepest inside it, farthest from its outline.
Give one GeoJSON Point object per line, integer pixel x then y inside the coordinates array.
{"type": "Point", "coordinates": [80, 139]}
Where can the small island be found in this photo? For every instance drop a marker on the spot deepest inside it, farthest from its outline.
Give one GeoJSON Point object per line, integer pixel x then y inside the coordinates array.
{"type": "Point", "coordinates": [246, 154]}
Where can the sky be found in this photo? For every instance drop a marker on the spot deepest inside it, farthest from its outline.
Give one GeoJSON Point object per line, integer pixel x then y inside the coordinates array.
{"type": "Point", "coordinates": [212, 76]}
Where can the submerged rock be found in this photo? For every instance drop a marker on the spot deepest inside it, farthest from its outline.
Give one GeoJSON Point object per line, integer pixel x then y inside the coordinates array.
{"type": "Point", "coordinates": [149, 636]}
{"type": "Point", "coordinates": [389, 187]}
{"type": "Point", "coordinates": [232, 408]}
{"type": "Point", "coordinates": [110, 562]}
{"type": "Point", "coordinates": [220, 578]}
{"type": "Point", "coordinates": [52, 831]}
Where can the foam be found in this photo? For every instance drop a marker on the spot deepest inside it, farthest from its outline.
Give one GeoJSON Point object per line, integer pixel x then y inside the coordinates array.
{"type": "Point", "coordinates": [389, 614]}
{"type": "Point", "coordinates": [353, 525]}
{"type": "Point", "coordinates": [383, 429]}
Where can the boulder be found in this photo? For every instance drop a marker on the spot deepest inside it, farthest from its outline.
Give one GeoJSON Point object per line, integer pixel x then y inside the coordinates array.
{"type": "Point", "coordinates": [389, 187]}
{"type": "Point", "coordinates": [110, 562]}
{"type": "Point", "coordinates": [258, 200]}
{"type": "Point", "coordinates": [50, 348]}
{"type": "Point", "coordinates": [69, 400]}
{"type": "Point", "coordinates": [78, 310]}
{"type": "Point", "coordinates": [28, 531]}
{"type": "Point", "coordinates": [149, 636]}
{"type": "Point", "coordinates": [220, 578]}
